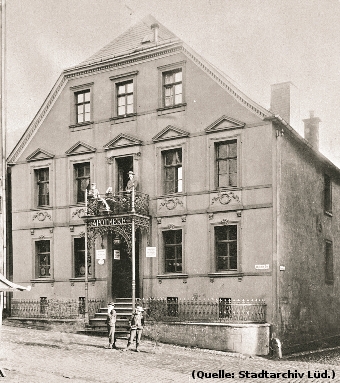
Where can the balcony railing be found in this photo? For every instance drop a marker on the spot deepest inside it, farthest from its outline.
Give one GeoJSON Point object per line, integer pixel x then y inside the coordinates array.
{"type": "Point", "coordinates": [54, 308]}
{"type": "Point", "coordinates": [119, 203]}
{"type": "Point", "coordinates": [222, 310]}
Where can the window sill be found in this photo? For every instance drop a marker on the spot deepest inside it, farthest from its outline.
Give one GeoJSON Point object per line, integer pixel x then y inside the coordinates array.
{"type": "Point", "coordinates": [81, 126]}
{"type": "Point", "coordinates": [45, 207]}
{"type": "Point", "coordinates": [171, 109]}
{"type": "Point", "coordinates": [329, 213]}
{"type": "Point", "coordinates": [126, 118]}
{"type": "Point", "coordinates": [42, 280]}
{"type": "Point", "coordinates": [82, 279]}
{"type": "Point", "coordinates": [226, 274]}
{"type": "Point", "coordinates": [172, 276]}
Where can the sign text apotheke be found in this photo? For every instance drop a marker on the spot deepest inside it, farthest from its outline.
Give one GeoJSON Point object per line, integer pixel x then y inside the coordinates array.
{"type": "Point", "coordinates": [108, 222]}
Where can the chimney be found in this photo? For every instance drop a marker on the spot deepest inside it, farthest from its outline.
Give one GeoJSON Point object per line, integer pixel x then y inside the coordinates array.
{"type": "Point", "coordinates": [285, 102]}
{"type": "Point", "coordinates": [312, 130]}
{"type": "Point", "coordinates": [155, 29]}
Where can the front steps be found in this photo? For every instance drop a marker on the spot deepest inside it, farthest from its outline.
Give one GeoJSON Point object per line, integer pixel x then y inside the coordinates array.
{"type": "Point", "coordinates": [123, 307]}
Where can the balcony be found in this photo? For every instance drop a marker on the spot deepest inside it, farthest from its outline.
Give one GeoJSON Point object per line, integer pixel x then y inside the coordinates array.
{"type": "Point", "coordinates": [121, 203]}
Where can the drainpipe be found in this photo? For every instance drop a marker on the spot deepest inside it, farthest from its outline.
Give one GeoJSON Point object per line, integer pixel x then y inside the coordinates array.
{"type": "Point", "coordinates": [86, 270]}
{"type": "Point", "coordinates": [133, 248]}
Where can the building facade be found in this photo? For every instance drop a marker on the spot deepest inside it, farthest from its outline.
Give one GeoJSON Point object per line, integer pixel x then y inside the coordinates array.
{"type": "Point", "coordinates": [240, 206]}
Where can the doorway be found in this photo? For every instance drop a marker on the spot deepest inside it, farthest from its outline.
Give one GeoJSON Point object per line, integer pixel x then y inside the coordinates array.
{"type": "Point", "coordinates": [124, 165]}
{"type": "Point", "coordinates": [122, 268]}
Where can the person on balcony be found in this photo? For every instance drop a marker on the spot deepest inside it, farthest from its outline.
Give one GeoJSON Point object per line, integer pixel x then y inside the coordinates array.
{"type": "Point", "coordinates": [132, 182]}
{"type": "Point", "coordinates": [94, 193]}
{"type": "Point", "coordinates": [136, 327]}
{"type": "Point", "coordinates": [111, 324]}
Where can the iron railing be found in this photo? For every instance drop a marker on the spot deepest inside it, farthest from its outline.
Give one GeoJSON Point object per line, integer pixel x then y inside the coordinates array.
{"type": "Point", "coordinates": [54, 308]}
{"type": "Point", "coordinates": [223, 310]}
{"type": "Point", "coordinates": [120, 203]}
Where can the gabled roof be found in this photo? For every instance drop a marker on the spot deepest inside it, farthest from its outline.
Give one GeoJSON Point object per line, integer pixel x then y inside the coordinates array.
{"type": "Point", "coordinates": [132, 46]}
{"type": "Point", "coordinates": [132, 40]}
{"type": "Point", "coordinates": [169, 133]}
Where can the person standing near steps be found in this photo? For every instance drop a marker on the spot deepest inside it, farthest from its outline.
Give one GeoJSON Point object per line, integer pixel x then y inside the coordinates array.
{"type": "Point", "coordinates": [136, 327]}
{"type": "Point", "coordinates": [111, 324]}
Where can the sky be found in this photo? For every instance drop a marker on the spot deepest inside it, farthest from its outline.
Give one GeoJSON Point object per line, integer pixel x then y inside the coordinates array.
{"type": "Point", "coordinates": [255, 42]}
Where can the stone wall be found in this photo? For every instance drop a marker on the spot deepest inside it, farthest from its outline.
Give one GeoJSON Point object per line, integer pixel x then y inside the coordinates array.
{"type": "Point", "coordinates": [250, 339]}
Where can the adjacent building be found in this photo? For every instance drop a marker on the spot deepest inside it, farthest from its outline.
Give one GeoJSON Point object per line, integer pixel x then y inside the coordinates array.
{"type": "Point", "coordinates": [239, 204]}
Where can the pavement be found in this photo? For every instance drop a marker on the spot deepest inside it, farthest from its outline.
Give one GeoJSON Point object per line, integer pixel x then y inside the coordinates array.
{"type": "Point", "coordinates": [33, 356]}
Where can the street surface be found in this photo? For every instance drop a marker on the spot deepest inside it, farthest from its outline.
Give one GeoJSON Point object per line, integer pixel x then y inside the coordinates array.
{"type": "Point", "coordinates": [34, 356]}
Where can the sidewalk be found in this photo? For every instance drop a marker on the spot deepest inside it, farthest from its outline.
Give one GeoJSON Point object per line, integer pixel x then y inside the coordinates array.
{"type": "Point", "coordinates": [34, 356]}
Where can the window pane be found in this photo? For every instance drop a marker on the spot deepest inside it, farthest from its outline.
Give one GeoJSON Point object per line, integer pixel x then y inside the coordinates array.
{"type": "Point", "coordinates": [168, 237]}
{"type": "Point", "coordinates": [178, 89]}
{"type": "Point", "coordinates": [87, 116]}
{"type": "Point", "coordinates": [121, 89]}
{"type": "Point", "coordinates": [178, 76]}
{"type": "Point", "coordinates": [178, 99]}
{"type": "Point", "coordinates": [233, 179]}
{"type": "Point", "coordinates": [129, 99]}
{"type": "Point", "coordinates": [129, 87]}
{"type": "Point", "coordinates": [168, 78]}
{"type": "Point", "coordinates": [178, 236]}
{"type": "Point", "coordinates": [169, 253]}
{"type": "Point", "coordinates": [87, 96]}
{"type": "Point", "coordinates": [223, 180]}
{"type": "Point", "coordinates": [129, 109]}
{"type": "Point", "coordinates": [121, 101]}
{"type": "Point", "coordinates": [121, 110]}
{"type": "Point", "coordinates": [222, 167]}
{"type": "Point", "coordinates": [87, 108]}
{"type": "Point", "coordinates": [233, 149]}
{"type": "Point", "coordinates": [80, 98]}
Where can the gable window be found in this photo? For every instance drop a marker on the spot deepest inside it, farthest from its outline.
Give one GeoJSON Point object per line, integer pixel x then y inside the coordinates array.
{"type": "Point", "coordinates": [226, 163]}
{"type": "Point", "coordinates": [82, 180]}
{"type": "Point", "coordinates": [173, 251]}
{"type": "Point", "coordinates": [42, 182]}
{"type": "Point", "coordinates": [43, 259]}
{"type": "Point", "coordinates": [83, 106]}
{"type": "Point", "coordinates": [327, 193]}
{"type": "Point", "coordinates": [172, 171]}
{"type": "Point", "coordinates": [172, 88]}
{"type": "Point", "coordinates": [226, 247]}
{"type": "Point", "coordinates": [329, 270]}
{"type": "Point", "coordinates": [125, 98]}
{"type": "Point", "coordinates": [79, 258]}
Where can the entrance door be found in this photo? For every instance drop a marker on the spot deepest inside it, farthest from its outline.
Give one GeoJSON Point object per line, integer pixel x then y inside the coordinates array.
{"type": "Point", "coordinates": [124, 165]}
{"type": "Point", "coordinates": [122, 270]}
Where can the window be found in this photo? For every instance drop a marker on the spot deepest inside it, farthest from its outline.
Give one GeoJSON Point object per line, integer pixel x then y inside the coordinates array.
{"type": "Point", "coordinates": [172, 88]}
{"type": "Point", "coordinates": [173, 251]}
{"type": "Point", "coordinates": [83, 106]}
{"type": "Point", "coordinates": [226, 163]}
{"type": "Point", "coordinates": [329, 263]}
{"type": "Point", "coordinates": [226, 247]}
{"type": "Point", "coordinates": [42, 179]}
{"type": "Point", "coordinates": [125, 98]}
{"type": "Point", "coordinates": [79, 258]}
{"type": "Point", "coordinates": [172, 160]}
{"type": "Point", "coordinates": [327, 193]}
{"type": "Point", "coordinates": [43, 259]}
{"type": "Point", "coordinates": [82, 180]}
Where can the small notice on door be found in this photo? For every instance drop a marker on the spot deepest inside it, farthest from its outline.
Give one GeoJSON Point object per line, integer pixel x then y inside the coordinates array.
{"type": "Point", "coordinates": [116, 254]}
{"type": "Point", "coordinates": [101, 254]}
{"type": "Point", "coordinates": [150, 252]}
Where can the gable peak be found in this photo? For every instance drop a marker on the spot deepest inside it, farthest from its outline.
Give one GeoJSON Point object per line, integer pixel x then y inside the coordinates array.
{"type": "Point", "coordinates": [122, 140]}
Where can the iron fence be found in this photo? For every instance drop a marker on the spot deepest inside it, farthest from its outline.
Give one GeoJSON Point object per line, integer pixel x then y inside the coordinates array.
{"type": "Point", "coordinates": [54, 308]}
{"type": "Point", "coordinates": [119, 203]}
{"type": "Point", "coordinates": [223, 310]}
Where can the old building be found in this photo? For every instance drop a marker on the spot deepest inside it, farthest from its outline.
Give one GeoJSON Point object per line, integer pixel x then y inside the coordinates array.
{"type": "Point", "coordinates": [240, 205]}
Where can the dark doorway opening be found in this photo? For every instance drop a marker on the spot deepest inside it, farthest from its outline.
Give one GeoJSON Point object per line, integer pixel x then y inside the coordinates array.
{"type": "Point", "coordinates": [122, 269]}
{"type": "Point", "coordinates": [124, 165]}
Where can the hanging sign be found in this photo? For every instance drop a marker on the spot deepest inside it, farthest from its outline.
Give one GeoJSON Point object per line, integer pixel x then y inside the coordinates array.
{"type": "Point", "coordinates": [101, 254]}
{"type": "Point", "coordinates": [116, 254]}
{"type": "Point", "coordinates": [150, 252]}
